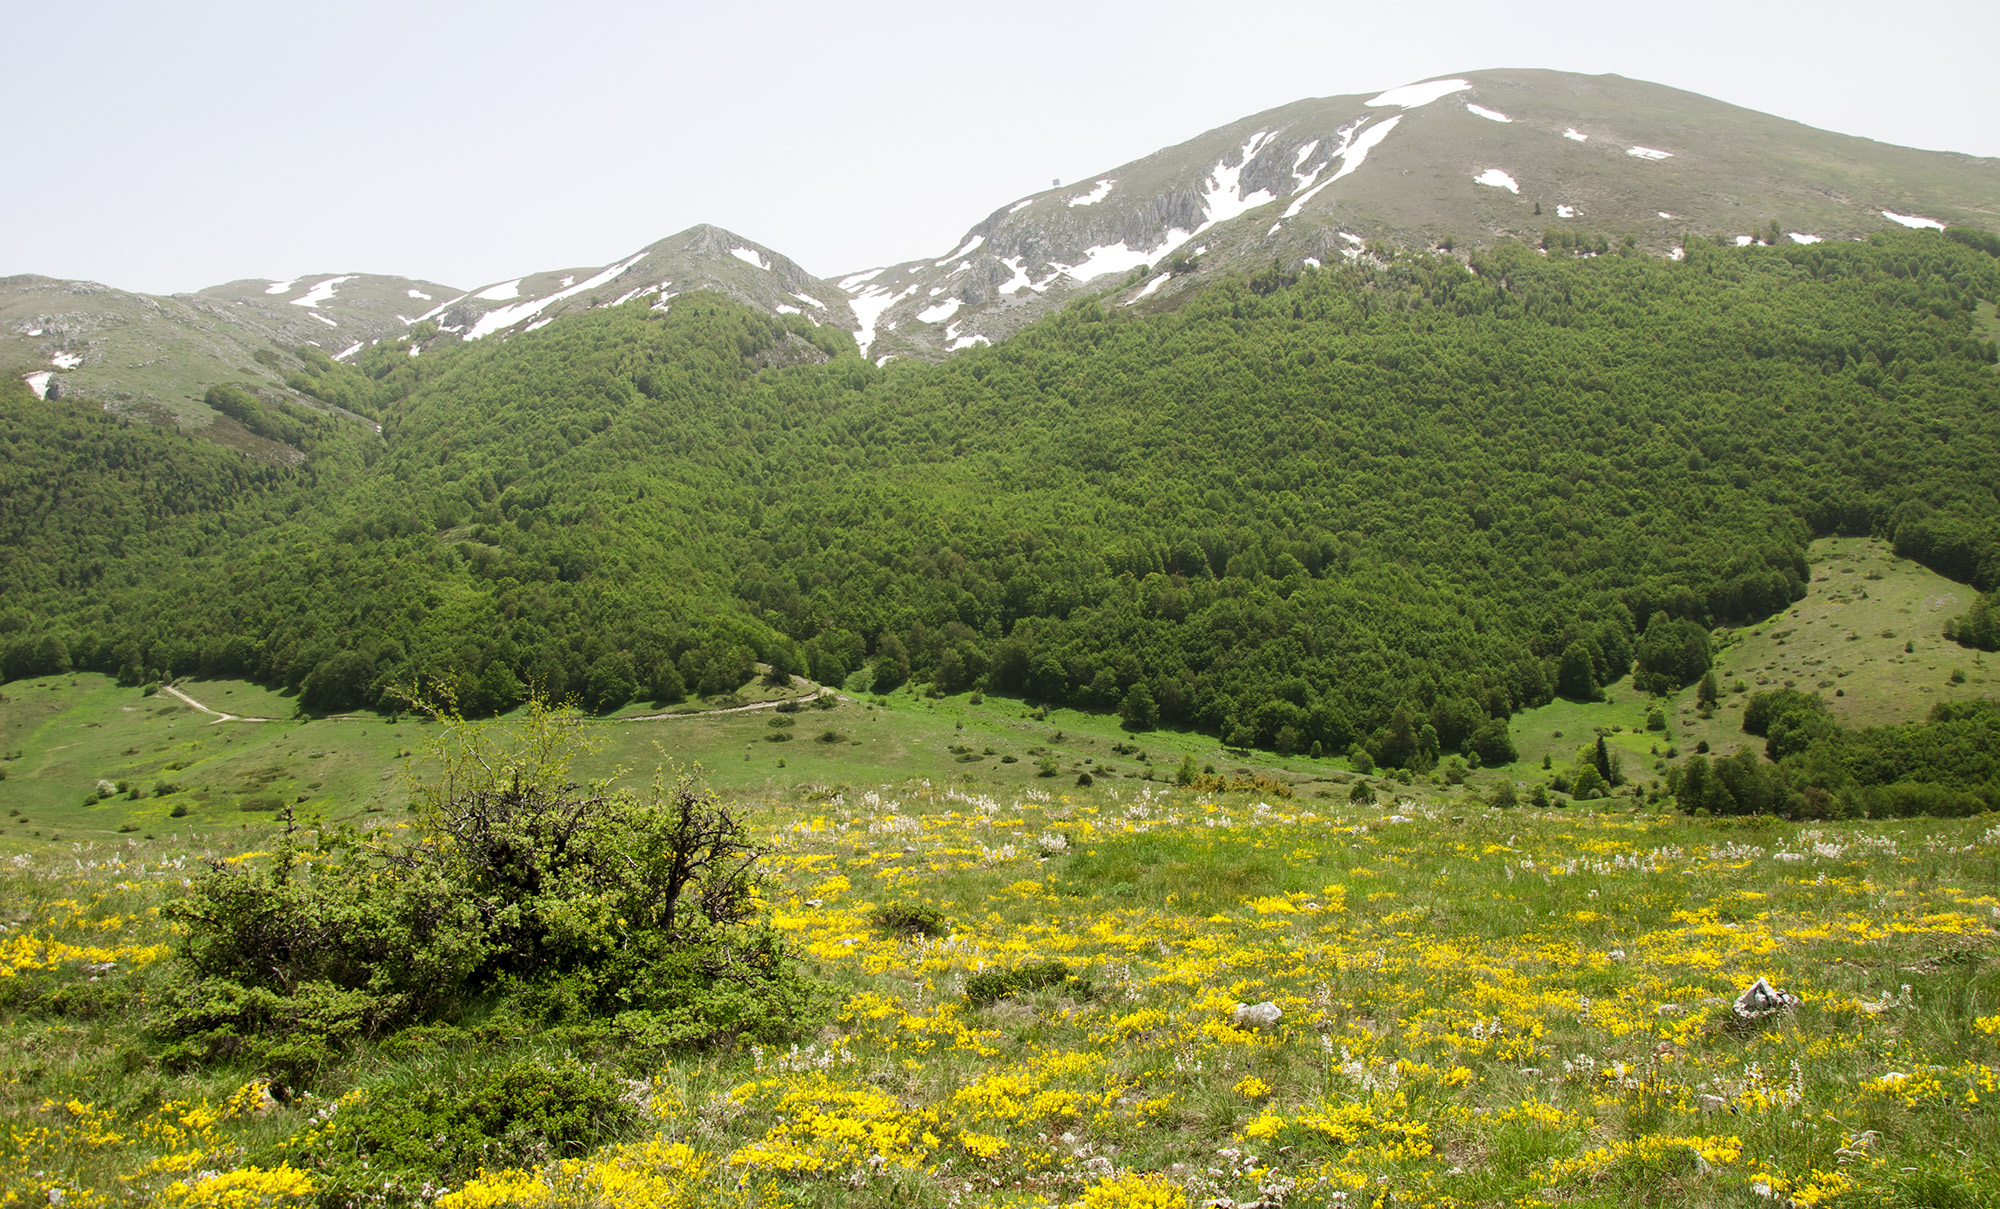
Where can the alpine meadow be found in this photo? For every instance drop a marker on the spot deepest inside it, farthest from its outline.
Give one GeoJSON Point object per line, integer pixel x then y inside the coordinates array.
{"type": "Point", "coordinates": [1358, 692]}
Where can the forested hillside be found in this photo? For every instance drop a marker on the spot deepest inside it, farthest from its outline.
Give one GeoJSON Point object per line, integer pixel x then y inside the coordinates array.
{"type": "Point", "coordinates": [1370, 503]}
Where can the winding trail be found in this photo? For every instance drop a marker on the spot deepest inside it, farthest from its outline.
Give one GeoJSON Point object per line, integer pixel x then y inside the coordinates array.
{"type": "Point", "coordinates": [815, 695]}
{"type": "Point", "coordinates": [220, 717]}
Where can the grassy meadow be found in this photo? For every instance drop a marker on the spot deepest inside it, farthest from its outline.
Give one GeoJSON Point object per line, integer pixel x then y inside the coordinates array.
{"type": "Point", "coordinates": [1477, 1006]}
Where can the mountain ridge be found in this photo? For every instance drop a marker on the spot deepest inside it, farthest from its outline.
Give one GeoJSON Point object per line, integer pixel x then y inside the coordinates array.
{"type": "Point", "coordinates": [1462, 161]}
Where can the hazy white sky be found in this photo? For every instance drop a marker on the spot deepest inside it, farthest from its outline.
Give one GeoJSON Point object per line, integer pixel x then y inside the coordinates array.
{"type": "Point", "coordinates": [165, 147]}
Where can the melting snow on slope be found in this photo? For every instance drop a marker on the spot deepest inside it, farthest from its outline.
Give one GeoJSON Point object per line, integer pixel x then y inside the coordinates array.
{"type": "Point", "coordinates": [1648, 153]}
{"type": "Point", "coordinates": [750, 257]}
{"type": "Point", "coordinates": [1665, 215]}
{"type": "Point", "coordinates": [1021, 205]}
{"type": "Point", "coordinates": [568, 282]}
{"type": "Point", "coordinates": [39, 383]}
{"type": "Point", "coordinates": [1152, 285]}
{"type": "Point", "coordinates": [789, 310]}
{"type": "Point", "coordinates": [1913, 221]}
{"type": "Point", "coordinates": [350, 350]}
{"type": "Point", "coordinates": [1497, 179]}
{"type": "Point", "coordinates": [66, 360]}
{"type": "Point", "coordinates": [941, 312]}
{"type": "Point", "coordinates": [1096, 195]}
{"type": "Point", "coordinates": [502, 292]}
{"type": "Point", "coordinates": [965, 249]}
{"type": "Point", "coordinates": [850, 284]}
{"type": "Point", "coordinates": [324, 319]}
{"type": "Point", "coordinates": [960, 343]}
{"type": "Point", "coordinates": [868, 307]}
{"type": "Point", "coordinates": [420, 294]}
{"type": "Point", "coordinates": [1411, 96]}
{"type": "Point", "coordinates": [1801, 237]}
{"type": "Point", "coordinates": [1223, 199]}
{"type": "Point", "coordinates": [439, 309]}
{"type": "Point", "coordinates": [1351, 152]}
{"type": "Point", "coordinates": [507, 316]}
{"type": "Point", "coordinates": [1117, 258]}
{"type": "Point", "coordinates": [1575, 135]}
{"type": "Point", "coordinates": [1490, 115]}
{"type": "Point", "coordinates": [1019, 281]}
{"type": "Point", "coordinates": [1300, 159]}
{"type": "Point", "coordinates": [809, 300]}
{"type": "Point", "coordinates": [321, 292]}
{"type": "Point", "coordinates": [279, 287]}
{"type": "Point", "coordinates": [1565, 211]}
{"type": "Point", "coordinates": [1744, 241]}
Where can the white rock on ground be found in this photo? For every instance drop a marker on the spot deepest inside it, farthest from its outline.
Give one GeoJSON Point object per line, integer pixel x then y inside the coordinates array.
{"type": "Point", "coordinates": [1256, 1015]}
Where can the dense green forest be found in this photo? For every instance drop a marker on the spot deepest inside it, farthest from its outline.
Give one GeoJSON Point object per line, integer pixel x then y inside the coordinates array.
{"type": "Point", "coordinates": [1376, 504]}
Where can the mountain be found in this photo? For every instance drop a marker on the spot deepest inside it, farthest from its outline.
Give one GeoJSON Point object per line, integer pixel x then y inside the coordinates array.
{"type": "Point", "coordinates": [1579, 163]}
{"type": "Point", "coordinates": [1474, 159]}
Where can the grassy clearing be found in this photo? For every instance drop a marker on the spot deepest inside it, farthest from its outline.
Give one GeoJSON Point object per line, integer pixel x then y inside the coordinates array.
{"type": "Point", "coordinates": [1510, 1008]}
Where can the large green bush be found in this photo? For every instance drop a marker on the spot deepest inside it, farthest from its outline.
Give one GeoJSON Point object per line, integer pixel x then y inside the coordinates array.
{"type": "Point", "coordinates": [621, 916]}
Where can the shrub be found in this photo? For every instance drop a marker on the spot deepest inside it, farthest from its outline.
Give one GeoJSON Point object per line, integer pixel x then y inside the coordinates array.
{"type": "Point", "coordinates": [636, 911]}
{"type": "Point", "coordinates": [400, 1140]}
{"type": "Point", "coordinates": [991, 986]}
{"type": "Point", "coordinates": [911, 919]}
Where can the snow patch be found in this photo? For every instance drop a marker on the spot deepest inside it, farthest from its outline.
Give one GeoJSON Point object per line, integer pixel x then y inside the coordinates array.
{"type": "Point", "coordinates": [1677, 254]}
{"type": "Point", "coordinates": [1020, 280]}
{"type": "Point", "coordinates": [1665, 215]}
{"type": "Point", "coordinates": [66, 360]}
{"type": "Point", "coordinates": [1312, 261]}
{"type": "Point", "coordinates": [1801, 237]}
{"type": "Point", "coordinates": [1413, 96]}
{"type": "Point", "coordinates": [1648, 153]}
{"type": "Point", "coordinates": [809, 300]}
{"type": "Point", "coordinates": [1299, 160]}
{"type": "Point", "coordinates": [1152, 285]}
{"type": "Point", "coordinates": [1223, 198]}
{"type": "Point", "coordinates": [1356, 240]}
{"type": "Point", "coordinates": [1744, 241]}
{"type": "Point", "coordinates": [1355, 144]}
{"type": "Point", "coordinates": [1565, 211]}
{"type": "Point", "coordinates": [350, 350]}
{"type": "Point", "coordinates": [965, 249]}
{"type": "Point", "coordinates": [280, 287]}
{"type": "Point", "coordinates": [959, 343]}
{"type": "Point", "coordinates": [543, 322]}
{"type": "Point", "coordinates": [440, 308]}
{"type": "Point", "coordinates": [35, 331]}
{"type": "Point", "coordinates": [321, 292]}
{"type": "Point", "coordinates": [868, 308]}
{"type": "Point", "coordinates": [324, 319]}
{"type": "Point", "coordinates": [629, 295]}
{"type": "Point", "coordinates": [415, 349]}
{"type": "Point", "coordinates": [1913, 221]}
{"type": "Point", "coordinates": [1497, 179]}
{"type": "Point", "coordinates": [39, 383]}
{"type": "Point", "coordinates": [507, 316]}
{"type": "Point", "coordinates": [1021, 205]}
{"type": "Point", "coordinates": [1575, 136]}
{"type": "Point", "coordinates": [1096, 195]}
{"type": "Point", "coordinates": [1117, 258]}
{"type": "Point", "coordinates": [850, 284]}
{"type": "Point", "coordinates": [568, 281]}
{"type": "Point", "coordinates": [750, 257]}
{"type": "Point", "coordinates": [941, 312]}
{"type": "Point", "coordinates": [1274, 228]}
{"type": "Point", "coordinates": [789, 310]}
{"type": "Point", "coordinates": [502, 292]}
{"type": "Point", "coordinates": [1491, 115]}
{"type": "Point", "coordinates": [420, 294]}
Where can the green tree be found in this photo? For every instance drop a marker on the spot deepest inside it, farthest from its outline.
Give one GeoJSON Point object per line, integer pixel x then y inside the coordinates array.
{"type": "Point", "coordinates": [1137, 711]}
{"type": "Point", "coordinates": [1576, 677]}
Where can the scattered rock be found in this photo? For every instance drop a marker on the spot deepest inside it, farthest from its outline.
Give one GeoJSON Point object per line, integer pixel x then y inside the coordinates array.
{"type": "Point", "coordinates": [1763, 999]}
{"type": "Point", "coordinates": [1256, 1015]}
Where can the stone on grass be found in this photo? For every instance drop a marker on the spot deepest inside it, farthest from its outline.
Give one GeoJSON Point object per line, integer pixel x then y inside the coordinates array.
{"type": "Point", "coordinates": [1763, 999]}
{"type": "Point", "coordinates": [1256, 1015]}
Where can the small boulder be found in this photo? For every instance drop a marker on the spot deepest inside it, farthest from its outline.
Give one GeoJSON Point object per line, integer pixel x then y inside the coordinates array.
{"type": "Point", "coordinates": [1256, 1015]}
{"type": "Point", "coordinates": [1763, 999]}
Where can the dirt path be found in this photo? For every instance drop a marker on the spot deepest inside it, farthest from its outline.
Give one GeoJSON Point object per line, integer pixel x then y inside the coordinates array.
{"type": "Point", "coordinates": [219, 715]}
{"type": "Point", "coordinates": [734, 709]}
